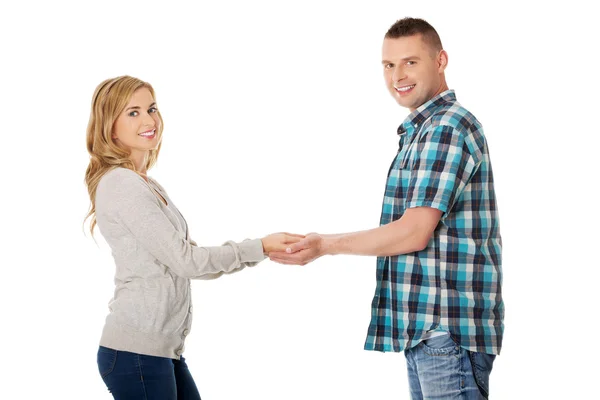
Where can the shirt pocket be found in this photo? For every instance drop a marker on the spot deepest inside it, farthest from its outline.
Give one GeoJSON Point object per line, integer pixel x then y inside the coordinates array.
{"type": "Point", "coordinates": [407, 156]}
{"type": "Point", "coordinates": [402, 176]}
{"type": "Point", "coordinates": [393, 199]}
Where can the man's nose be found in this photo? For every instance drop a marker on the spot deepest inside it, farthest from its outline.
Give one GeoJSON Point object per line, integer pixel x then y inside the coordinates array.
{"type": "Point", "coordinates": [398, 74]}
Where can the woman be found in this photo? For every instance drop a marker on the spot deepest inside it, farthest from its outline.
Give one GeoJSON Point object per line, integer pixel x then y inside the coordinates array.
{"type": "Point", "coordinates": [140, 353]}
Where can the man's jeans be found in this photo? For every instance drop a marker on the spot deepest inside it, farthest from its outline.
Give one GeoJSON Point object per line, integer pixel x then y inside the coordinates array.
{"type": "Point", "coordinates": [438, 368]}
{"type": "Point", "coordinates": [132, 376]}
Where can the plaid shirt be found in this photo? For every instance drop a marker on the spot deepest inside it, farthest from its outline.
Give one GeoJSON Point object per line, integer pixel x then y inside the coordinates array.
{"type": "Point", "coordinates": [454, 284]}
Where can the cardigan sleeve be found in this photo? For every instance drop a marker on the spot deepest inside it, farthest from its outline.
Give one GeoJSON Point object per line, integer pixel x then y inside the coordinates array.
{"type": "Point", "coordinates": [124, 196]}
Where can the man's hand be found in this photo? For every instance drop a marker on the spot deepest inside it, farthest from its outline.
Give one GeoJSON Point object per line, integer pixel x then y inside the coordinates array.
{"type": "Point", "coordinates": [279, 241]}
{"type": "Point", "coordinates": [302, 252]}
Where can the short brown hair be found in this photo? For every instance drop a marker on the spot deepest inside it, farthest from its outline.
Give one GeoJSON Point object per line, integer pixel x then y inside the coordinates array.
{"type": "Point", "coordinates": [415, 26]}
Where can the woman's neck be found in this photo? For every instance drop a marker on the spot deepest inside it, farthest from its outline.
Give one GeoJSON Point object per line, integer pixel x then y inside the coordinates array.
{"type": "Point", "coordinates": [139, 160]}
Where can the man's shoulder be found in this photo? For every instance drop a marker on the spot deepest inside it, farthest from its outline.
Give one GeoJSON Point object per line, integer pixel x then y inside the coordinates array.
{"type": "Point", "coordinates": [457, 121]}
{"type": "Point", "coordinates": [454, 115]}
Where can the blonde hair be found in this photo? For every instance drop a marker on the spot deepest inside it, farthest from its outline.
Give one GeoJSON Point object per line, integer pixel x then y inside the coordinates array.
{"type": "Point", "coordinates": [109, 100]}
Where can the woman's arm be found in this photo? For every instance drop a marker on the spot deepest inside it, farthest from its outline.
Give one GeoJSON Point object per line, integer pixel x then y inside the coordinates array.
{"type": "Point", "coordinates": [123, 198]}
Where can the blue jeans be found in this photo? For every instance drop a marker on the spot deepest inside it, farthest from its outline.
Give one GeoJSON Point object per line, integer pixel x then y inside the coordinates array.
{"type": "Point", "coordinates": [438, 368]}
{"type": "Point", "coordinates": [132, 376]}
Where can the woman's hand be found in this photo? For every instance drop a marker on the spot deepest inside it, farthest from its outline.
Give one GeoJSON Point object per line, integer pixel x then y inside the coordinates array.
{"type": "Point", "coordinates": [279, 241]}
{"type": "Point", "coordinates": [302, 252]}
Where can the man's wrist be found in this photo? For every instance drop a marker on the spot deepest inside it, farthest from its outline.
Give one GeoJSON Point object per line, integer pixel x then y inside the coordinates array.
{"type": "Point", "coordinates": [329, 245]}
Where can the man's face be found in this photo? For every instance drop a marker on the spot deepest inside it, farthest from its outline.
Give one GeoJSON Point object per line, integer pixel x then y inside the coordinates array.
{"type": "Point", "coordinates": [413, 71]}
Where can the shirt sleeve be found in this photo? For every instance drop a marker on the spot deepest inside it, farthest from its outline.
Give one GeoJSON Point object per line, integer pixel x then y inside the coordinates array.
{"type": "Point", "coordinates": [442, 167]}
{"type": "Point", "coordinates": [130, 203]}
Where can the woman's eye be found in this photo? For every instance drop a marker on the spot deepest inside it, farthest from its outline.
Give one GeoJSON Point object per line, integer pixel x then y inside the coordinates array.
{"type": "Point", "coordinates": [153, 110]}
{"type": "Point", "coordinates": [133, 113]}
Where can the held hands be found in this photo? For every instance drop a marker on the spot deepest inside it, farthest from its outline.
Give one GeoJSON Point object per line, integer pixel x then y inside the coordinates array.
{"type": "Point", "coordinates": [301, 251]}
{"type": "Point", "coordinates": [279, 242]}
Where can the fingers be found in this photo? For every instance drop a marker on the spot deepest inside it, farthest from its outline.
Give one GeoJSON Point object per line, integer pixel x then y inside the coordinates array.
{"type": "Point", "coordinates": [300, 258]}
{"type": "Point", "coordinates": [294, 235]}
{"type": "Point", "coordinates": [282, 261]}
{"type": "Point", "coordinates": [295, 247]}
{"type": "Point", "coordinates": [283, 258]}
{"type": "Point", "coordinates": [278, 254]}
{"type": "Point", "coordinates": [284, 243]}
{"type": "Point", "coordinates": [292, 238]}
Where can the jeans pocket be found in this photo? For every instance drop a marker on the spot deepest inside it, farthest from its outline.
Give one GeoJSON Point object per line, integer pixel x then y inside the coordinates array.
{"type": "Point", "coordinates": [482, 364]}
{"type": "Point", "coordinates": [107, 358]}
{"type": "Point", "coordinates": [440, 346]}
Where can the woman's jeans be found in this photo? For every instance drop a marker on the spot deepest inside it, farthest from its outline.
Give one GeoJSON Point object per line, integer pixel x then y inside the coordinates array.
{"type": "Point", "coordinates": [132, 376]}
{"type": "Point", "coordinates": [438, 368]}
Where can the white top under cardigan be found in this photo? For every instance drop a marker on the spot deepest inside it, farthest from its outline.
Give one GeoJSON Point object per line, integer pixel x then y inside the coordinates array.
{"type": "Point", "coordinates": [151, 310]}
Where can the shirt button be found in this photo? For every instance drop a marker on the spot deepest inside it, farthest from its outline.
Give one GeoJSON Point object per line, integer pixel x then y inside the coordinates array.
{"type": "Point", "coordinates": [179, 352]}
{"type": "Point", "coordinates": [186, 332]}
{"type": "Point", "coordinates": [191, 309]}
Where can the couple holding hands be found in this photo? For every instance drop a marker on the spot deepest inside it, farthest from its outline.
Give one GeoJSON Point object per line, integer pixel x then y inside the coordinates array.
{"type": "Point", "coordinates": [438, 246]}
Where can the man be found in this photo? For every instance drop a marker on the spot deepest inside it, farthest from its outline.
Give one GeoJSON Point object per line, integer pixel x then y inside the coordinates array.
{"type": "Point", "coordinates": [438, 295]}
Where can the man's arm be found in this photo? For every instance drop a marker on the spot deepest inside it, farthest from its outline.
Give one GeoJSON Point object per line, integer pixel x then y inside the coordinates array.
{"type": "Point", "coordinates": [410, 233]}
{"type": "Point", "coordinates": [442, 168]}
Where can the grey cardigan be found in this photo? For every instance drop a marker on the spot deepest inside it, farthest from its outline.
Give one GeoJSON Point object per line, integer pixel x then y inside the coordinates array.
{"type": "Point", "coordinates": [151, 310]}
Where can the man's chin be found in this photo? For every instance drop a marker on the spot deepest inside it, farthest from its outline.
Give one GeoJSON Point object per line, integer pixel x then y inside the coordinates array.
{"type": "Point", "coordinates": [404, 102]}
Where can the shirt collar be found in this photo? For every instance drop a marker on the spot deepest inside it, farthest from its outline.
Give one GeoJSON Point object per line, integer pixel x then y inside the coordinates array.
{"type": "Point", "coordinates": [426, 110]}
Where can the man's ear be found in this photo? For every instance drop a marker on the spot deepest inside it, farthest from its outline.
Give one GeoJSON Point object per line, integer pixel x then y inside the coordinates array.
{"type": "Point", "coordinates": [442, 60]}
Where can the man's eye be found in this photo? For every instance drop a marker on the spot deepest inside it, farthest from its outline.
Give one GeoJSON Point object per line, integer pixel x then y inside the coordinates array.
{"type": "Point", "coordinates": [410, 63]}
{"type": "Point", "coordinates": [133, 114]}
{"type": "Point", "coordinates": [388, 66]}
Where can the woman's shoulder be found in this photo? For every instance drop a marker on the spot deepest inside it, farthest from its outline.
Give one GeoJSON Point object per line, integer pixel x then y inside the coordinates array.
{"type": "Point", "coordinates": [119, 172]}
{"type": "Point", "coordinates": [157, 184]}
{"type": "Point", "coordinates": [119, 181]}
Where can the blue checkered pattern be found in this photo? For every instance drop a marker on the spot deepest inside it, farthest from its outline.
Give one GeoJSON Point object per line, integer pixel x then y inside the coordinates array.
{"type": "Point", "coordinates": [454, 284]}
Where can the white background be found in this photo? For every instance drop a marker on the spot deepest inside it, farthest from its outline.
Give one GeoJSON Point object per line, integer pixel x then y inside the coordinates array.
{"type": "Point", "coordinates": [277, 118]}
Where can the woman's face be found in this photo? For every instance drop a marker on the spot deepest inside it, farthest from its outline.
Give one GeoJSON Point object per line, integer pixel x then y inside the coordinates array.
{"type": "Point", "coordinates": [136, 129]}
